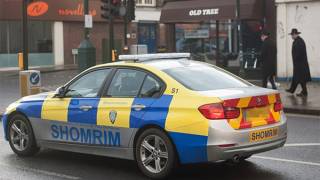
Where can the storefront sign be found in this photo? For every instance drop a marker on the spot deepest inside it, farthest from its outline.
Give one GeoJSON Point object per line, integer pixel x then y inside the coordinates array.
{"type": "Point", "coordinates": [203, 12]}
{"type": "Point", "coordinates": [37, 8]}
{"type": "Point", "coordinates": [77, 11]}
{"type": "Point", "coordinates": [51, 10]}
{"type": "Point", "coordinates": [196, 34]}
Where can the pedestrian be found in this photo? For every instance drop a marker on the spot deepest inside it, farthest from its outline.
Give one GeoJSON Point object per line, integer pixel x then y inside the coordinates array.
{"type": "Point", "coordinates": [268, 59]}
{"type": "Point", "coordinates": [301, 71]}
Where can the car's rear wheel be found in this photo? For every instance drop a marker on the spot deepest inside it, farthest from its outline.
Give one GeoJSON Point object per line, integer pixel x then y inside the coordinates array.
{"type": "Point", "coordinates": [155, 154]}
{"type": "Point", "coordinates": [21, 136]}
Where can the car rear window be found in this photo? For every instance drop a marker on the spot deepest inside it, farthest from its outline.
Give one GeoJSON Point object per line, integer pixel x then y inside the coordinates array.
{"type": "Point", "coordinates": [202, 77]}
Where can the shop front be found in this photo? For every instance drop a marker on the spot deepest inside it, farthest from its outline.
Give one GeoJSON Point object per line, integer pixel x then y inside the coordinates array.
{"type": "Point", "coordinates": [212, 32]}
{"type": "Point", "coordinates": [55, 31]}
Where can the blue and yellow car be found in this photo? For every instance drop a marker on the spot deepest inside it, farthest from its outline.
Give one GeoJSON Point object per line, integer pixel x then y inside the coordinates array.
{"type": "Point", "coordinates": [156, 109]}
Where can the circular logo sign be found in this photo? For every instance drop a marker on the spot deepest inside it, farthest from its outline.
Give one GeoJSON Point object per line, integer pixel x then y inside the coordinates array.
{"type": "Point", "coordinates": [34, 78]}
{"type": "Point", "coordinates": [37, 8]}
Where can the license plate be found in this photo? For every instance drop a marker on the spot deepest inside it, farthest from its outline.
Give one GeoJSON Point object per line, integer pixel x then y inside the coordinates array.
{"type": "Point", "coordinates": [262, 135]}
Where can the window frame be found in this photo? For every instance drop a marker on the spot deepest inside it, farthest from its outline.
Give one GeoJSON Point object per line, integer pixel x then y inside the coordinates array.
{"type": "Point", "coordinates": [106, 79]}
{"type": "Point", "coordinates": [147, 73]}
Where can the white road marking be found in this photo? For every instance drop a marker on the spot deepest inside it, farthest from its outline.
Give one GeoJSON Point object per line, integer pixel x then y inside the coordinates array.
{"type": "Point", "coordinates": [302, 115]}
{"type": "Point", "coordinates": [39, 171]}
{"type": "Point", "coordinates": [301, 144]}
{"type": "Point", "coordinates": [287, 160]}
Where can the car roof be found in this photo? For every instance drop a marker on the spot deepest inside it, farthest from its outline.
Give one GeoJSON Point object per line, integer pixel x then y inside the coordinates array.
{"type": "Point", "coordinates": [160, 64]}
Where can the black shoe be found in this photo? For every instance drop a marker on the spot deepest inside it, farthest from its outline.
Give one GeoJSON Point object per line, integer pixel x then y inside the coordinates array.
{"type": "Point", "coordinates": [289, 91]}
{"type": "Point", "coordinates": [302, 94]}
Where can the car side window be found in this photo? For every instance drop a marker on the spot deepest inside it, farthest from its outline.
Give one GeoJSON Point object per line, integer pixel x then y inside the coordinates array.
{"type": "Point", "coordinates": [88, 86]}
{"type": "Point", "coordinates": [151, 88]}
{"type": "Point", "coordinates": [126, 83]}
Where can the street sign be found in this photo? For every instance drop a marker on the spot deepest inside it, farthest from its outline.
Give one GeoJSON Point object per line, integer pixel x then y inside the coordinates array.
{"type": "Point", "coordinates": [34, 79]}
{"type": "Point", "coordinates": [88, 21]}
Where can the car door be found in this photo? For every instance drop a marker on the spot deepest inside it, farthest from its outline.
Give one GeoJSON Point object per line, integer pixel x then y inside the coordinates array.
{"type": "Point", "coordinates": [115, 107]}
{"type": "Point", "coordinates": [73, 118]}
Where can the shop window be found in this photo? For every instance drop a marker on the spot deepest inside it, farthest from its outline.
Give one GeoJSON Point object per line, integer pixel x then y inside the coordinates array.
{"type": "Point", "coordinates": [40, 37]}
{"type": "Point", "coordinates": [39, 43]}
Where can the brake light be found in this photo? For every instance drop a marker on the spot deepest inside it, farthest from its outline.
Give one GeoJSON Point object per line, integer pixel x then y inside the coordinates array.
{"type": "Point", "coordinates": [217, 111]}
{"type": "Point", "coordinates": [278, 106]}
{"type": "Point", "coordinates": [212, 111]}
{"type": "Point", "coordinates": [231, 112]}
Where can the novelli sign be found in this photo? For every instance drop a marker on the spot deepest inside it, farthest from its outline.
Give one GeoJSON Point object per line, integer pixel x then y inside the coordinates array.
{"type": "Point", "coordinates": [37, 8]}
{"type": "Point", "coordinates": [203, 12]}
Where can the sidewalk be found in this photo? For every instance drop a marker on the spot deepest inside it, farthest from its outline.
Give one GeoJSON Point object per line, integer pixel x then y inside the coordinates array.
{"type": "Point", "coordinates": [300, 105]}
{"type": "Point", "coordinates": [11, 71]}
{"type": "Point", "coordinates": [55, 76]}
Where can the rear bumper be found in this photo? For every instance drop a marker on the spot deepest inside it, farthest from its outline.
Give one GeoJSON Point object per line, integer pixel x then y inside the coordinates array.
{"type": "Point", "coordinates": [220, 133]}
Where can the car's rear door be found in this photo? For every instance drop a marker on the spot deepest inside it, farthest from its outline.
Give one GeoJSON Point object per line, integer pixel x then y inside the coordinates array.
{"type": "Point", "coordinates": [117, 103]}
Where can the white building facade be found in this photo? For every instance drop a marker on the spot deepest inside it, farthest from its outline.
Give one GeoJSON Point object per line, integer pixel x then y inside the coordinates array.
{"type": "Point", "coordinates": [305, 16]}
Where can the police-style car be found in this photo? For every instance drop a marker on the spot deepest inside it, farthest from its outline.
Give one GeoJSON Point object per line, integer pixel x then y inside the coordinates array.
{"type": "Point", "coordinates": [158, 109]}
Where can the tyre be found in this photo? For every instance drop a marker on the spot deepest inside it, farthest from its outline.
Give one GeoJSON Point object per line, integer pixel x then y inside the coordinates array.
{"type": "Point", "coordinates": [21, 136]}
{"type": "Point", "coordinates": [155, 154]}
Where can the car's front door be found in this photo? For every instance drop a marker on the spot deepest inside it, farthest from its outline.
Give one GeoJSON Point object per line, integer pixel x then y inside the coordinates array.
{"type": "Point", "coordinates": [73, 118]}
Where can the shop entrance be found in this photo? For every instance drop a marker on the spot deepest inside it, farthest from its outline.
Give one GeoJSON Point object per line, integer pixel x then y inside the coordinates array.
{"type": "Point", "coordinates": [218, 43]}
{"type": "Point", "coordinates": [147, 36]}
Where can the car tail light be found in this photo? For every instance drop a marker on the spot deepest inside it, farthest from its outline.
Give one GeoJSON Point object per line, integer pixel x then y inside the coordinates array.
{"type": "Point", "coordinates": [217, 111]}
{"type": "Point", "coordinates": [278, 106]}
{"type": "Point", "coordinates": [231, 112]}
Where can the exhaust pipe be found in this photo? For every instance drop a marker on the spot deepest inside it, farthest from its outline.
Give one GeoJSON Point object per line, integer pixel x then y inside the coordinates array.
{"type": "Point", "coordinates": [236, 159]}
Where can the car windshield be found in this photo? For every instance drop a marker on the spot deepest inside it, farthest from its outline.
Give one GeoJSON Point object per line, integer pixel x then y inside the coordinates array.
{"type": "Point", "coordinates": [204, 77]}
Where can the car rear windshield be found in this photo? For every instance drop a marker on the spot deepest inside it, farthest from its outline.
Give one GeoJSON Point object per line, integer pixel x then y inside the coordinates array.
{"type": "Point", "coordinates": [203, 77]}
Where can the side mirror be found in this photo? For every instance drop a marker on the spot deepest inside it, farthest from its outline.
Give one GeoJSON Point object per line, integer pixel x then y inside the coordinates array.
{"type": "Point", "coordinates": [60, 92]}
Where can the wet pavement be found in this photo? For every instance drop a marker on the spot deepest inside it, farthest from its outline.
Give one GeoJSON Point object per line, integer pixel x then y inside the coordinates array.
{"type": "Point", "coordinates": [298, 160]}
{"type": "Point", "coordinates": [9, 84]}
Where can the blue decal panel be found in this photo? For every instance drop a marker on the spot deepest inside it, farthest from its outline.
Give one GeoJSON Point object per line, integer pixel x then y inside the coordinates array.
{"type": "Point", "coordinates": [31, 109]}
{"type": "Point", "coordinates": [4, 124]}
{"type": "Point", "coordinates": [191, 148]}
{"type": "Point", "coordinates": [78, 115]}
{"type": "Point", "coordinates": [155, 113]}
{"type": "Point", "coordinates": [83, 135]}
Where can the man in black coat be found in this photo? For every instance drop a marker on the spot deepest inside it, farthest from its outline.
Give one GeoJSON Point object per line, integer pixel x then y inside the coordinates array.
{"type": "Point", "coordinates": [301, 71]}
{"type": "Point", "coordinates": [268, 60]}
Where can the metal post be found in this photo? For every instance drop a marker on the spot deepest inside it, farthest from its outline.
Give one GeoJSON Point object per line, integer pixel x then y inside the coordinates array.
{"type": "Point", "coordinates": [86, 50]}
{"type": "Point", "coordinates": [125, 24]}
{"type": "Point", "coordinates": [25, 34]}
{"type": "Point", "coordinates": [218, 61]}
{"type": "Point", "coordinates": [86, 11]}
{"type": "Point", "coordinates": [111, 38]}
{"type": "Point", "coordinates": [240, 38]}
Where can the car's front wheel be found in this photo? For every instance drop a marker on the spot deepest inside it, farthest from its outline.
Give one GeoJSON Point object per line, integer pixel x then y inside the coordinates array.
{"type": "Point", "coordinates": [155, 154]}
{"type": "Point", "coordinates": [21, 137]}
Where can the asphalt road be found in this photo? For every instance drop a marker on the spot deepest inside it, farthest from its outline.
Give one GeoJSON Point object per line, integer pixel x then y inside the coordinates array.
{"type": "Point", "coordinates": [299, 159]}
{"type": "Point", "coordinates": [9, 85]}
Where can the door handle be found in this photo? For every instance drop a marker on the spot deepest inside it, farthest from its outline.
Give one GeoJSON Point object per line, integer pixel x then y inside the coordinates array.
{"type": "Point", "coordinates": [85, 108]}
{"type": "Point", "coordinates": [138, 107]}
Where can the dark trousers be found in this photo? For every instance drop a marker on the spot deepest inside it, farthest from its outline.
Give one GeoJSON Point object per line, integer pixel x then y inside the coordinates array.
{"type": "Point", "coordinates": [295, 84]}
{"type": "Point", "coordinates": [265, 82]}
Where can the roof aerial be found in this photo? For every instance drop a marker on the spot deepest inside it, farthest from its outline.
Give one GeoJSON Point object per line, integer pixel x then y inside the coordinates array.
{"type": "Point", "coordinates": [158, 56]}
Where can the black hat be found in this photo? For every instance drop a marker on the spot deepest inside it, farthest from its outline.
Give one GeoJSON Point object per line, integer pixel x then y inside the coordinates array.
{"type": "Point", "coordinates": [265, 32]}
{"type": "Point", "coordinates": [294, 31]}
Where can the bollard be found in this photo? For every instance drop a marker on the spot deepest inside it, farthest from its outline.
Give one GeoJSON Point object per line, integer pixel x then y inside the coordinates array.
{"type": "Point", "coordinates": [20, 61]}
{"type": "Point", "coordinates": [30, 82]}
